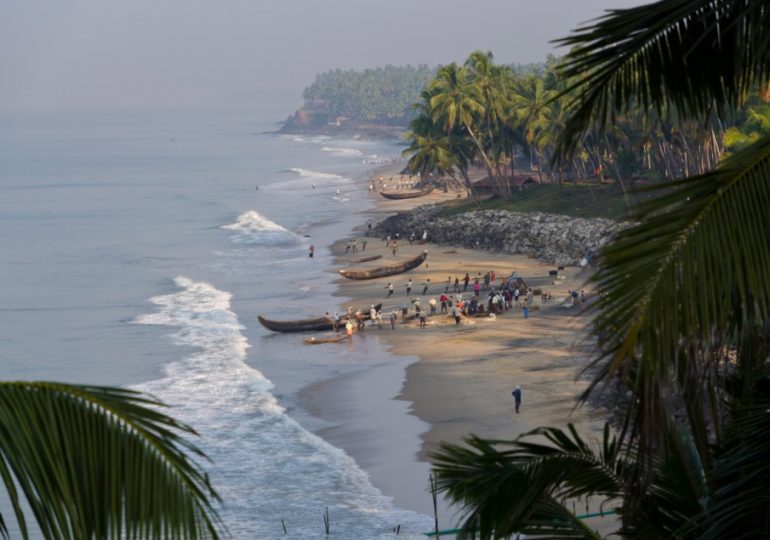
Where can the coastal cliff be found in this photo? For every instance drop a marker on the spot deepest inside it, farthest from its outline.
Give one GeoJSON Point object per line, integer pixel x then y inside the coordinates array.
{"type": "Point", "coordinates": [560, 239]}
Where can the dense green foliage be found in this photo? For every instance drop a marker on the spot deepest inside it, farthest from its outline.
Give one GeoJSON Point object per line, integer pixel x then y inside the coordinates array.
{"type": "Point", "coordinates": [581, 200]}
{"type": "Point", "coordinates": [378, 95]}
{"type": "Point", "coordinates": [96, 462]}
{"type": "Point", "coordinates": [373, 94]}
{"type": "Point", "coordinates": [507, 119]}
{"type": "Point", "coordinates": [683, 314]}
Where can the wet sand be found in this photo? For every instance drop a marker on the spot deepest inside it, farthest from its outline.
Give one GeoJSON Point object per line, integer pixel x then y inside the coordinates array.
{"type": "Point", "coordinates": [457, 379]}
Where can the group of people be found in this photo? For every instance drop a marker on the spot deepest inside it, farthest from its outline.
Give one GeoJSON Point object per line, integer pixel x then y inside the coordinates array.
{"type": "Point", "coordinates": [352, 245]}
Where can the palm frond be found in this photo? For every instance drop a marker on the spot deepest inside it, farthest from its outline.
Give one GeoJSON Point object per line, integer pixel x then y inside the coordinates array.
{"type": "Point", "coordinates": [699, 253]}
{"type": "Point", "coordinates": [99, 462]}
{"type": "Point", "coordinates": [517, 486]}
{"type": "Point", "coordinates": [742, 499]}
{"type": "Point", "coordinates": [695, 54]}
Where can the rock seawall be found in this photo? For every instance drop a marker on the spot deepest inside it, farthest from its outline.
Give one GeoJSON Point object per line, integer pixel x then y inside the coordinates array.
{"type": "Point", "coordinates": [560, 239]}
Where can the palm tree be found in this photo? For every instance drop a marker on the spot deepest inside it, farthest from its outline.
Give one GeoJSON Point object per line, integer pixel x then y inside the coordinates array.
{"type": "Point", "coordinates": [684, 315]}
{"type": "Point", "coordinates": [432, 149]}
{"type": "Point", "coordinates": [455, 102]}
{"type": "Point", "coordinates": [527, 108]}
{"type": "Point", "coordinates": [99, 462]}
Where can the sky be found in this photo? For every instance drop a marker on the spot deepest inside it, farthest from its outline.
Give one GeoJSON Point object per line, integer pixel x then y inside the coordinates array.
{"type": "Point", "coordinates": [71, 54]}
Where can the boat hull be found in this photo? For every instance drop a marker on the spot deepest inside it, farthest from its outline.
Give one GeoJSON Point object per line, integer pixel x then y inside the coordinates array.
{"type": "Point", "coordinates": [315, 324]}
{"type": "Point", "coordinates": [397, 195]}
{"type": "Point", "coordinates": [366, 259]}
{"type": "Point", "coordinates": [384, 271]}
{"type": "Point", "coordinates": [316, 341]}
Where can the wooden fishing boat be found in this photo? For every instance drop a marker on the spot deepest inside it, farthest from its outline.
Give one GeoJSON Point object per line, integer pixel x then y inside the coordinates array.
{"type": "Point", "coordinates": [334, 339]}
{"type": "Point", "coordinates": [383, 271]}
{"type": "Point", "coordinates": [413, 194]}
{"type": "Point", "coordinates": [366, 259]}
{"type": "Point", "coordinates": [314, 324]}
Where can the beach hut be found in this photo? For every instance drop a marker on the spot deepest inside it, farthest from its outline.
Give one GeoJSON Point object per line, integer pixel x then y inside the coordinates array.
{"type": "Point", "coordinates": [487, 186]}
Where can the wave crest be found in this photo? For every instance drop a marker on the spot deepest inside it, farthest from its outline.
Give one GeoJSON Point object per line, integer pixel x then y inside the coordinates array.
{"type": "Point", "coordinates": [254, 228]}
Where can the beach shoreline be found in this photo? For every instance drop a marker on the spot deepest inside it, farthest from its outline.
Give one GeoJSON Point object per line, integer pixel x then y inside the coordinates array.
{"type": "Point", "coordinates": [448, 381]}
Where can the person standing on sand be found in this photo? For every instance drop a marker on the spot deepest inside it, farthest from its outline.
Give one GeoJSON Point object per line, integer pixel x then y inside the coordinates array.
{"type": "Point", "coordinates": [363, 244]}
{"type": "Point", "coordinates": [526, 311]}
{"type": "Point", "coordinates": [432, 303]}
{"type": "Point", "coordinates": [387, 240]}
{"type": "Point", "coordinates": [457, 284]}
{"type": "Point", "coordinates": [373, 315]}
{"type": "Point", "coordinates": [311, 250]}
{"type": "Point", "coordinates": [354, 245]}
{"type": "Point", "coordinates": [456, 312]}
{"type": "Point", "coordinates": [393, 317]}
{"type": "Point", "coordinates": [466, 279]}
{"type": "Point", "coordinates": [448, 283]}
{"type": "Point", "coordinates": [394, 246]}
{"type": "Point", "coordinates": [349, 329]}
{"type": "Point", "coordinates": [408, 287]}
{"type": "Point", "coordinates": [443, 299]}
{"type": "Point", "coordinates": [389, 286]}
{"type": "Point", "coordinates": [517, 397]}
{"type": "Point", "coordinates": [426, 285]}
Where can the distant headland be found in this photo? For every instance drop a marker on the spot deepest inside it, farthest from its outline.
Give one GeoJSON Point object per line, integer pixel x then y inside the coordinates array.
{"type": "Point", "coordinates": [372, 103]}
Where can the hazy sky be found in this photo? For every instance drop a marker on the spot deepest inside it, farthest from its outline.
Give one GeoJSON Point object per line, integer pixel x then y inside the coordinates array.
{"type": "Point", "coordinates": [110, 53]}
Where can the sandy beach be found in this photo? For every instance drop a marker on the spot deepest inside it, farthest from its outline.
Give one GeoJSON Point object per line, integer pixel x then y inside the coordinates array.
{"type": "Point", "coordinates": [451, 380]}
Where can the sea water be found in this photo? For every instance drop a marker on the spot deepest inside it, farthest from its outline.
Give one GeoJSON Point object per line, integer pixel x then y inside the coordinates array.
{"type": "Point", "coordinates": [138, 247]}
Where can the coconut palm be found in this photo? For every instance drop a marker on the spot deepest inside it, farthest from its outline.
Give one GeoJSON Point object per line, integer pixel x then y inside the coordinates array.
{"type": "Point", "coordinates": [433, 149]}
{"type": "Point", "coordinates": [98, 462]}
{"type": "Point", "coordinates": [683, 318]}
{"type": "Point", "coordinates": [457, 103]}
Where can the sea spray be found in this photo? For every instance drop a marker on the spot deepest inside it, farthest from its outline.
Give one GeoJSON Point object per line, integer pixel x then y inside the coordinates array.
{"type": "Point", "coordinates": [266, 466]}
{"type": "Point", "coordinates": [254, 228]}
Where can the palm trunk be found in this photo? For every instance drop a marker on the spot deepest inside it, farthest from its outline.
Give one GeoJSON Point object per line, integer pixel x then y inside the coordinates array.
{"type": "Point", "coordinates": [479, 146]}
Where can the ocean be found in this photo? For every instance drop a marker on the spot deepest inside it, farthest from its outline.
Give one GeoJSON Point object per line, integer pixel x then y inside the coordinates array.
{"type": "Point", "coordinates": [138, 248]}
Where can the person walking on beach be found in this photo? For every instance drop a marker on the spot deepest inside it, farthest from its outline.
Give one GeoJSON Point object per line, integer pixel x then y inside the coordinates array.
{"type": "Point", "coordinates": [426, 285]}
{"type": "Point", "coordinates": [432, 304]}
{"type": "Point", "coordinates": [389, 286]}
{"type": "Point", "coordinates": [408, 287]}
{"type": "Point", "coordinates": [394, 246]}
{"type": "Point", "coordinates": [466, 279]}
{"type": "Point", "coordinates": [457, 284]}
{"type": "Point", "coordinates": [311, 250]}
{"type": "Point", "coordinates": [387, 240]}
{"type": "Point", "coordinates": [393, 317]}
{"type": "Point", "coordinates": [363, 244]}
{"type": "Point", "coordinates": [517, 397]}
{"type": "Point", "coordinates": [354, 245]}
{"type": "Point", "coordinates": [448, 283]}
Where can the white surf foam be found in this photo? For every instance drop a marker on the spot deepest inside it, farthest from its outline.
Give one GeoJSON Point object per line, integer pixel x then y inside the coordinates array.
{"type": "Point", "coordinates": [307, 179]}
{"type": "Point", "coordinates": [254, 228]}
{"type": "Point", "coordinates": [265, 465]}
{"type": "Point", "coordinates": [342, 152]}
{"type": "Point", "coordinates": [304, 173]}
